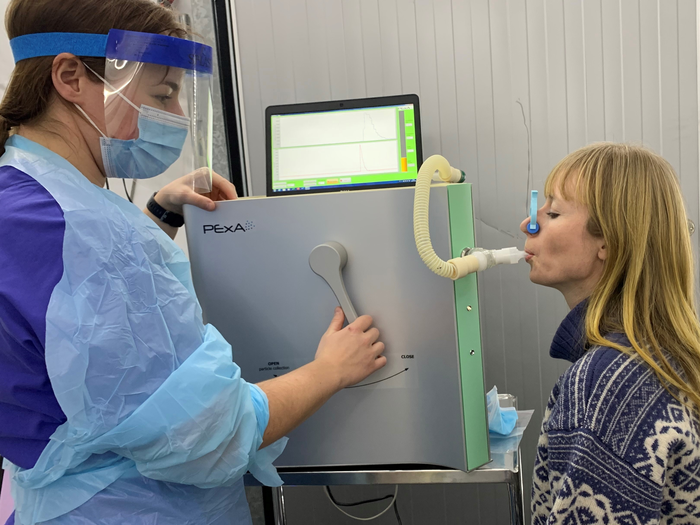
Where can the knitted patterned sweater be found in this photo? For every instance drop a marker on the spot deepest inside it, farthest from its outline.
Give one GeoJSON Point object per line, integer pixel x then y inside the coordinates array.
{"type": "Point", "coordinates": [615, 446]}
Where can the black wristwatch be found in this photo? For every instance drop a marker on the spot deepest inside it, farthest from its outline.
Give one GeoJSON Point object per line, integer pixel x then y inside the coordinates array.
{"type": "Point", "coordinates": [168, 217]}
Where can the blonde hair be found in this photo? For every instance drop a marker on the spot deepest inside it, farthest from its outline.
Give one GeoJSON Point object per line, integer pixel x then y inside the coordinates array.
{"type": "Point", "coordinates": [646, 291]}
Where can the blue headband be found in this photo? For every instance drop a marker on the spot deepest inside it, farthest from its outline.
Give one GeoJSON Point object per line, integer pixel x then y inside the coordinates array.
{"type": "Point", "coordinates": [119, 45]}
{"type": "Point", "coordinates": [52, 44]}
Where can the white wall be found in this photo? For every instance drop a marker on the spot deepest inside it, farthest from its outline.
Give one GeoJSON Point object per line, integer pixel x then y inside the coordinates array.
{"type": "Point", "coordinates": [622, 70]}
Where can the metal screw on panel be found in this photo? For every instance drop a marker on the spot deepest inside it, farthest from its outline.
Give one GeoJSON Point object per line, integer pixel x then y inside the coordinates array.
{"type": "Point", "coordinates": [691, 226]}
{"type": "Point", "coordinates": [469, 308]}
{"type": "Point", "coordinates": [472, 352]}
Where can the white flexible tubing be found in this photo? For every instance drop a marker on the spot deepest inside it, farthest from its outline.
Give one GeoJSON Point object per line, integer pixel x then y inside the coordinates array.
{"type": "Point", "coordinates": [391, 504]}
{"type": "Point", "coordinates": [454, 268]}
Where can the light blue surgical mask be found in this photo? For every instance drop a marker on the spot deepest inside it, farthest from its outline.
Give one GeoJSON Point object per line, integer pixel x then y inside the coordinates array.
{"type": "Point", "coordinates": [161, 138]}
{"type": "Point", "coordinates": [501, 420]}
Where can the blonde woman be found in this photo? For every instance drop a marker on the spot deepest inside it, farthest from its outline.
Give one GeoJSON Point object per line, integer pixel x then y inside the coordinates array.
{"type": "Point", "coordinates": [620, 442]}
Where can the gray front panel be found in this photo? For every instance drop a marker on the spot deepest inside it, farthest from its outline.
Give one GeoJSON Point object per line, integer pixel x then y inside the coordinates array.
{"type": "Point", "coordinates": [255, 285]}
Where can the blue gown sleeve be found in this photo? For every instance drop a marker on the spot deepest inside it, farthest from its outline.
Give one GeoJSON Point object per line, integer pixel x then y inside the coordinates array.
{"type": "Point", "coordinates": [203, 426]}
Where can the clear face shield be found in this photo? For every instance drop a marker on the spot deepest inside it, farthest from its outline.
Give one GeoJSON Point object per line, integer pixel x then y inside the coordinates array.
{"type": "Point", "coordinates": [158, 108]}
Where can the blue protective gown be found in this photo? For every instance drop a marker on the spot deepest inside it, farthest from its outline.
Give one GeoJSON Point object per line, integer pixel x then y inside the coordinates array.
{"type": "Point", "coordinates": [153, 423]}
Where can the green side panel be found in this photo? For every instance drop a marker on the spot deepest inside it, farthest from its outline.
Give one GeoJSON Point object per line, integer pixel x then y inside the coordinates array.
{"type": "Point", "coordinates": [459, 198]}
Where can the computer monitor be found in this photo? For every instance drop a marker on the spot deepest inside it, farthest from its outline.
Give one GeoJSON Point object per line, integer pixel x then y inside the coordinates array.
{"type": "Point", "coordinates": [343, 145]}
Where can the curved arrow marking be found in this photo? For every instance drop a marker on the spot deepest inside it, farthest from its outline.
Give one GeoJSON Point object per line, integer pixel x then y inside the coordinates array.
{"type": "Point", "coordinates": [381, 380]}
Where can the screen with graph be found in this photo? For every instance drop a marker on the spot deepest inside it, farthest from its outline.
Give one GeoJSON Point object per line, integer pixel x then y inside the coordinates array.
{"type": "Point", "coordinates": [343, 147]}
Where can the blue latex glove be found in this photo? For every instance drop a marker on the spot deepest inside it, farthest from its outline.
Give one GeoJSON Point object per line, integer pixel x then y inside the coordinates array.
{"type": "Point", "coordinates": [501, 420]}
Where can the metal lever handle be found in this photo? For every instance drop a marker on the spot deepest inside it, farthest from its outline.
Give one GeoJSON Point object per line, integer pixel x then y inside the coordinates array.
{"type": "Point", "coordinates": [328, 260]}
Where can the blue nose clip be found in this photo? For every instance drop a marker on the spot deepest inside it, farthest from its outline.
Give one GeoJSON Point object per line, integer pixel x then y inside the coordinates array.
{"type": "Point", "coordinates": [533, 227]}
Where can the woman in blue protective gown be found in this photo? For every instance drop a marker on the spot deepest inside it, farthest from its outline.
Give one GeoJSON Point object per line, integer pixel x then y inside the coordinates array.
{"type": "Point", "coordinates": [118, 405]}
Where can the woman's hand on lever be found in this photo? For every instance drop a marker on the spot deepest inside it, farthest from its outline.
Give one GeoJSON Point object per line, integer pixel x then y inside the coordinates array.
{"type": "Point", "coordinates": [345, 356]}
{"type": "Point", "coordinates": [175, 195]}
{"type": "Point", "coordinates": [352, 353]}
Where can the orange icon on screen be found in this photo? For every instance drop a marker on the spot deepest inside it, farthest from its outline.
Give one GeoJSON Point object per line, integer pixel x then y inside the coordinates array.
{"type": "Point", "coordinates": [404, 164]}
{"type": "Point", "coordinates": [332, 181]}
